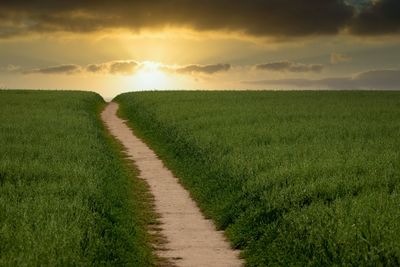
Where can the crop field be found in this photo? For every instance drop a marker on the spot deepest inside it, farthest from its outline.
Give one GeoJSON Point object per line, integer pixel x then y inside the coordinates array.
{"type": "Point", "coordinates": [295, 178]}
{"type": "Point", "coordinates": [66, 195]}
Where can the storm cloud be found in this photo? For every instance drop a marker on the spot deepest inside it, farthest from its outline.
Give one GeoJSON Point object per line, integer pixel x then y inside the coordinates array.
{"type": "Point", "coordinates": [253, 17]}
{"type": "Point", "coordinates": [379, 17]}
{"type": "Point", "coordinates": [289, 66]}
{"type": "Point", "coordinates": [370, 80]}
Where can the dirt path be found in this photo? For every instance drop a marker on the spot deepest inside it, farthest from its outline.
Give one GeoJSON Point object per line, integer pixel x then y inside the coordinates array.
{"type": "Point", "coordinates": [191, 239]}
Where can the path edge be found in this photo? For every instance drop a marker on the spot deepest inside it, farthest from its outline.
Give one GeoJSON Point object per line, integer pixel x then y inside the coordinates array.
{"type": "Point", "coordinates": [138, 134]}
{"type": "Point", "coordinates": [149, 217]}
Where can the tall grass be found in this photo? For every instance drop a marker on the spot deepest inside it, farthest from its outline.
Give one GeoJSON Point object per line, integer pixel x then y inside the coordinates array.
{"type": "Point", "coordinates": [295, 178]}
{"type": "Point", "coordinates": [66, 197]}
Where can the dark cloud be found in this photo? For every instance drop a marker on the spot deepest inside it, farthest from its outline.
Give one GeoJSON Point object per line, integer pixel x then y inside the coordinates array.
{"type": "Point", "coordinates": [119, 67]}
{"type": "Point", "coordinates": [97, 68]}
{"type": "Point", "coordinates": [255, 17]}
{"type": "Point", "coordinates": [386, 79]}
{"type": "Point", "coordinates": [359, 4]}
{"type": "Point", "coordinates": [123, 67]}
{"type": "Point", "coordinates": [374, 79]}
{"type": "Point", "coordinates": [290, 66]}
{"type": "Point", "coordinates": [204, 69]}
{"type": "Point", "coordinates": [379, 17]}
{"type": "Point", "coordinates": [59, 69]}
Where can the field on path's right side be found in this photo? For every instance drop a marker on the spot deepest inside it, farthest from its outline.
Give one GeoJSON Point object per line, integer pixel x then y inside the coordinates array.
{"type": "Point", "coordinates": [294, 178]}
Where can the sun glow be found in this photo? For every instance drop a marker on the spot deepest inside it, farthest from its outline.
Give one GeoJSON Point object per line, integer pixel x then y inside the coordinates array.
{"type": "Point", "coordinates": [152, 75]}
{"type": "Point", "coordinates": [149, 76]}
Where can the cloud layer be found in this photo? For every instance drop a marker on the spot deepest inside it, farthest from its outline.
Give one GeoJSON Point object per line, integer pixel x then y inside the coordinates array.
{"type": "Point", "coordinates": [374, 79]}
{"type": "Point", "coordinates": [254, 17]}
{"type": "Point", "coordinates": [198, 69]}
{"type": "Point", "coordinates": [288, 66]}
{"type": "Point", "coordinates": [59, 69]}
{"type": "Point", "coordinates": [121, 67]}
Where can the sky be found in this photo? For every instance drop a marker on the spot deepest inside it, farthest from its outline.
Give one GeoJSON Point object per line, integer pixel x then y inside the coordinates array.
{"type": "Point", "coordinates": [118, 46]}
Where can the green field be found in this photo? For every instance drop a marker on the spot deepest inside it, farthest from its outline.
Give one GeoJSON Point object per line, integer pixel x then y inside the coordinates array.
{"type": "Point", "coordinates": [295, 178]}
{"type": "Point", "coordinates": [67, 197]}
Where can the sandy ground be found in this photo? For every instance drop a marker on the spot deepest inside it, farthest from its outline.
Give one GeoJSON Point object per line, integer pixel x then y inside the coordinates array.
{"type": "Point", "coordinates": [191, 239]}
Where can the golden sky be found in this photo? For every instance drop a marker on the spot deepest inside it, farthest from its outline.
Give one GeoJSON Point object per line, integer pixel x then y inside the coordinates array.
{"type": "Point", "coordinates": [117, 46]}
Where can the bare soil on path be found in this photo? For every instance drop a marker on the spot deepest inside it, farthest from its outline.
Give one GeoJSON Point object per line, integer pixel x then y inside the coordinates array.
{"type": "Point", "coordinates": [192, 240]}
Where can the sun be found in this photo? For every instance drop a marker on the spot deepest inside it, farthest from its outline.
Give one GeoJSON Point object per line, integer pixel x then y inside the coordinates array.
{"type": "Point", "coordinates": [152, 75]}
{"type": "Point", "coordinates": [149, 76]}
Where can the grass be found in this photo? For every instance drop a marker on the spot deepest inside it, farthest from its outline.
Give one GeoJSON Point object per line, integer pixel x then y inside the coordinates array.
{"type": "Point", "coordinates": [294, 178]}
{"type": "Point", "coordinates": [67, 196]}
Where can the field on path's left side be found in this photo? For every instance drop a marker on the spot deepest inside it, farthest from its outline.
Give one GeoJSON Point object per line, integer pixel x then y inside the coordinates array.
{"type": "Point", "coordinates": [66, 197]}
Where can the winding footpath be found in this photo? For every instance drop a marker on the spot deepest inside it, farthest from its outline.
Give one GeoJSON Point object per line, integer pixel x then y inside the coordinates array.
{"type": "Point", "coordinates": [191, 239]}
